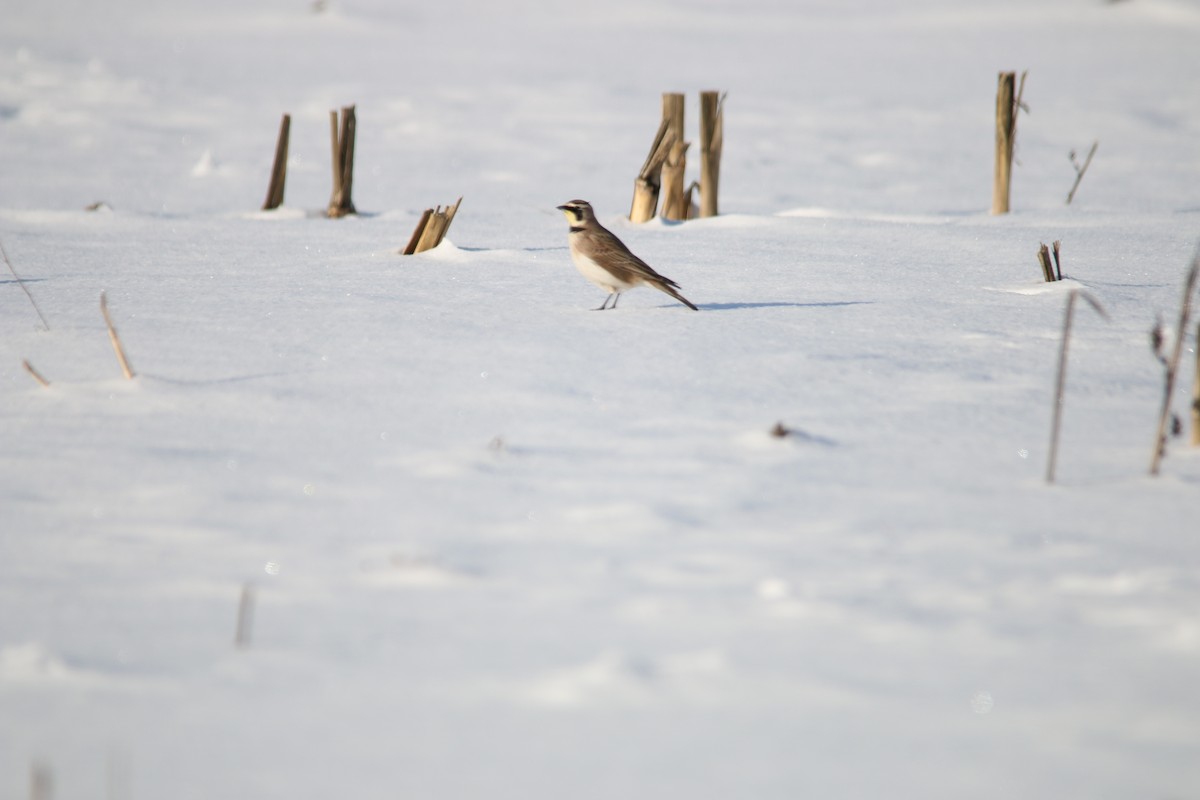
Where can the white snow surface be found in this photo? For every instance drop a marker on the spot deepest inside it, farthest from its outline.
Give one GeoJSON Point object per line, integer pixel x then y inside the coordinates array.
{"type": "Point", "coordinates": [502, 546]}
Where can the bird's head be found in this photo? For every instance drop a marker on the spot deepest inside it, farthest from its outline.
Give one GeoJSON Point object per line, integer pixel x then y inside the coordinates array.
{"type": "Point", "coordinates": [577, 212]}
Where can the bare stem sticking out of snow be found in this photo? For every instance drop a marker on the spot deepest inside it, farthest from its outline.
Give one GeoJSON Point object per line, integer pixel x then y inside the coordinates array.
{"type": "Point", "coordinates": [712, 141]}
{"type": "Point", "coordinates": [342, 141]}
{"type": "Point", "coordinates": [1050, 272]}
{"type": "Point", "coordinates": [279, 168]}
{"type": "Point", "coordinates": [1008, 104]}
{"type": "Point", "coordinates": [1061, 381]}
{"type": "Point", "coordinates": [431, 228]}
{"type": "Point", "coordinates": [37, 376]}
{"type": "Point", "coordinates": [1196, 394]}
{"type": "Point", "coordinates": [1080, 169]}
{"type": "Point", "coordinates": [1171, 365]}
{"type": "Point", "coordinates": [674, 199]}
{"type": "Point", "coordinates": [649, 180]}
{"type": "Point", "coordinates": [115, 339]}
{"type": "Point", "coordinates": [24, 288]}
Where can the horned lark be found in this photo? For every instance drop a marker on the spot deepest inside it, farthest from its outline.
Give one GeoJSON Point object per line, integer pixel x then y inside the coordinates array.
{"type": "Point", "coordinates": [604, 259]}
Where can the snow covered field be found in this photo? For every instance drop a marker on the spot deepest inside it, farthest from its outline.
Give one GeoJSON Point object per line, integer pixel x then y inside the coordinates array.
{"type": "Point", "coordinates": [505, 547]}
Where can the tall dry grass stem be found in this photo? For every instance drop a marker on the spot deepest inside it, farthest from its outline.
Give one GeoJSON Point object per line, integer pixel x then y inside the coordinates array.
{"type": "Point", "coordinates": [37, 376]}
{"type": "Point", "coordinates": [1080, 170]}
{"type": "Point", "coordinates": [1171, 365]}
{"type": "Point", "coordinates": [1060, 383]}
{"type": "Point", "coordinates": [21, 282]}
{"type": "Point", "coordinates": [115, 339]}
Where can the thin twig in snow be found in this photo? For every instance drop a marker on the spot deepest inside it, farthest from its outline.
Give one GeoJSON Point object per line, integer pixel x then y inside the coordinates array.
{"type": "Point", "coordinates": [37, 376]}
{"type": "Point", "coordinates": [24, 288]}
{"type": "Point", "coordinates": [1196, 393]}
{"type": "Point", "coordinates": [115, 339]}
{"type": "Point", "coordinates": [1172, 364]}
{"type": "Point", "coordinates": [1080, 169]}
{"type": "Point", "coordinates": [1061, 381]}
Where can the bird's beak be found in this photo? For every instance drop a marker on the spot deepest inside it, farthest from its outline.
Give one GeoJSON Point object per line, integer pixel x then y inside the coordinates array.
{"type": "Point", "coordinates": [562, 208]}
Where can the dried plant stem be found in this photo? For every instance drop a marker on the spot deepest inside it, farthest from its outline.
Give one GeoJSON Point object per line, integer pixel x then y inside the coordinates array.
{"type": "Point", "coordinates": [245, 616]}
{"type": "Point", "coordinates": [1008, 105]}
{"type": "Point", "coordinates": [431, 228]}
{"type": "Point", "coordinates": [1044, 260]}
{"type": "Point", "coordinates": [649, 180]}
{"type": "Point", "coordinates": [1080, 170]}
{"type": "Point", "coordinates": [279, 167]}
{"type": "Point", "coordinates": [24, 288]}
{"type": "Point", "coordinates": [418, 232]}
{"type": "Point", "coordinates": [675, 201]}
{"type": "Point", "coordinates": [1051, 272]}
{"type": "Point", "coordinates": [712, 141]}
{"type": "Point", "coordinates": [1006, 123]}
{"type": "Point", "coordinates": [675, 164]}
{"type": "Point", "coordinates": [1196, 394]}
{"type": "Point", "coordinates": [342, 145]}
{"type": "Point", "coordinates": [37, 376]}
{"type": "Point", "coordinates": [1172, 365]}
{"type": "Point", "coordinates": [115, 339]}
{"type": "Point", "coordinates": [1060, 383]}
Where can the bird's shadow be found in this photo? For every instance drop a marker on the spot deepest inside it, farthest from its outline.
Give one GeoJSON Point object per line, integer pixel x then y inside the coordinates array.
{"type": "Point", "coordinates": [466, 249]}
{"type": "Point", "coordinates": [742, 306]}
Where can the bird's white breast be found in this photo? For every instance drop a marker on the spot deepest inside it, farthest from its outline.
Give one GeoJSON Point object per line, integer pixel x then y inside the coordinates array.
{"type": "Point", "coordinates": [596, 273]}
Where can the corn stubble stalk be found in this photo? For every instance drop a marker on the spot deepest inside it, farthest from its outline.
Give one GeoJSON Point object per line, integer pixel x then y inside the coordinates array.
{"type": "Point", "coordinates": [1060, 383]}
{"type": "Point", "coordinates": [712, 140]}
{"type": "Point", "coordinates": [118, 349]}
{"type": "Point", "coordinates": [431, 228]}
{"type": "Point", "coordinates": [674, 202]}
{"type": "Point", "coordinates": [1044, 260]}
{"type": "Point", "coordinates": [279, 166]}
{"type": "Point", "coordinates": [1051, 272]}
{"type": "Point", "coordinates": [1171, 365]}
{"type": "Point", "coordinates": [649, 180]}
{"type": "Point", "coordinates": [342, 139]}
{"type": "Point", "coordinates": [1008, 104]}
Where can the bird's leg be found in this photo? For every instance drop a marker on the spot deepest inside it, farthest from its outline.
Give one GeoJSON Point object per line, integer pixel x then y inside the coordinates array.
{"type": "Point", "coordinates": [616, 297]}
{"type": "Point", "coordinates": [604, 305]}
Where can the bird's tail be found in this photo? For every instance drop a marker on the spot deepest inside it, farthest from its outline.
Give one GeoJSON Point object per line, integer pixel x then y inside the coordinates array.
{"type": "Point", "coordinates": [670, 289]}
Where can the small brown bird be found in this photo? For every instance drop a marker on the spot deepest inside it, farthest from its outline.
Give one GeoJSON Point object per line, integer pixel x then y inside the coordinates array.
{"type": "Point", "coordinates": [604, 259]}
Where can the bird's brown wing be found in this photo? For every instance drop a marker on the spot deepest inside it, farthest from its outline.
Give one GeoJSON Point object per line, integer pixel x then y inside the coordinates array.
{"type": "Point", "coordinates": [612, 252]}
